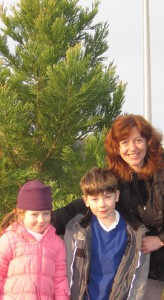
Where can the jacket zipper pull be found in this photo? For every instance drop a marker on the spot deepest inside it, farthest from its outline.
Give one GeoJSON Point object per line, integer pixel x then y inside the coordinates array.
{"type": "Point", "coordinates": [144, 207]}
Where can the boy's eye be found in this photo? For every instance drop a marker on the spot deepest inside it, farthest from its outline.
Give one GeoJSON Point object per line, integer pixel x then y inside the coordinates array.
{"type": "Point", "coordinates": [108, 196]}
{"type": "Point", "coordinates": [94, 199]}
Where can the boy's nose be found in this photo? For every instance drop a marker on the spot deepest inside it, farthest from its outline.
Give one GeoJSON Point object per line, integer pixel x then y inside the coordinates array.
{"type": "Point", "coordinates": [101, 201]}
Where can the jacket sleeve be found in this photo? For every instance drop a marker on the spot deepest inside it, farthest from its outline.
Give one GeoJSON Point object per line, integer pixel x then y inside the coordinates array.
{"type": "Point", "coordinates": [138, 286]}
{"type": "Point", "coordinates": [62, 291]}
{"type": "Point", "coordinates": [70, 252]}
{"type": "Point", "coordinates": [161, 236]}
{"type": "Point", "coordinates": [5, 258]}
{"type": "Point", "coordinates": [63, 215]}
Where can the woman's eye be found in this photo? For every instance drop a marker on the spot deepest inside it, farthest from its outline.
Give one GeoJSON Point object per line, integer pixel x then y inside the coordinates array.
{"type": "Point", "coordinates": [139, 140]}
{"type": "Point", "coordinates": [124, 142]}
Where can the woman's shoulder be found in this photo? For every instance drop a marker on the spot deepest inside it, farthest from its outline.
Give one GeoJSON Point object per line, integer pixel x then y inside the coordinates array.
{"type": "Point", "coordinates": [63, 215]}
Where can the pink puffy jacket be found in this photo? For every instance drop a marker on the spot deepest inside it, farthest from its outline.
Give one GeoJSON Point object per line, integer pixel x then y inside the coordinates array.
{"type": "Point", "coordinates": [32, 270]}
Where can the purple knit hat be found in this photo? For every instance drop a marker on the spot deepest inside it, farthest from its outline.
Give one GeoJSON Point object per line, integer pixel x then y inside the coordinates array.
{"type": "Point", "coordinates": [34, 195]}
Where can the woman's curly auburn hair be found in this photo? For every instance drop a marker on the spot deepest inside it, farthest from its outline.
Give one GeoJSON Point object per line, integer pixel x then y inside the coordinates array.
{"type": "Point", "coordinates": [120, 130]}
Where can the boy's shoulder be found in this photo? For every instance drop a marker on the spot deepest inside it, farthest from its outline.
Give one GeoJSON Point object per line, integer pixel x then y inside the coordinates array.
{"type": "Point", "coordinates": [138, 232]}
{"type": "Point", "coordinates": [133, 227]}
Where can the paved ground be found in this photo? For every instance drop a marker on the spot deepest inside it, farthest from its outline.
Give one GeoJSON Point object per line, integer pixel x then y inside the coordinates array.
{"type": "Point", "coordinates": [154, 290]}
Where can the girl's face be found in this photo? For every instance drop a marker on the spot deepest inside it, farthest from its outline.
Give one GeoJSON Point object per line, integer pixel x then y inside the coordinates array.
{"type": "Point", "coordinates": [133, 150]}
{"type": "Point", "coordinates": [37, 221]}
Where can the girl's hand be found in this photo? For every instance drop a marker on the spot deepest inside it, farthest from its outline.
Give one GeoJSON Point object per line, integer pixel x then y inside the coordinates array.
{"type": "Point", "coordinates": [150, 243]}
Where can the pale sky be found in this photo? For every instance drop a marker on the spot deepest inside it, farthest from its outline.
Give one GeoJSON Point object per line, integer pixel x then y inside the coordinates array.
{"type": "Point", "coordinates": [125, 40]}
{"type": "Point", "coordinates": [125, 18]}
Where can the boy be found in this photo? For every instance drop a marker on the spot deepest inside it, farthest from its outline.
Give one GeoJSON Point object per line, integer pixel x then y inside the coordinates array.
{"type": "Point", "coordinates": [102, 249]}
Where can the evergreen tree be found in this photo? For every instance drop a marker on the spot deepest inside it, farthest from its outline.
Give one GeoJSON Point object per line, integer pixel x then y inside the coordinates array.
{"type": "Point", "coordinates": [79, 158]}
{"type": "Point", "coordinates": [54, 88]}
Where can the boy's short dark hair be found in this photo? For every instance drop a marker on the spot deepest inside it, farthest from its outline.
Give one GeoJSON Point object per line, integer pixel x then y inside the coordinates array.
{"type": "Point", "coordinates": [98, 180]}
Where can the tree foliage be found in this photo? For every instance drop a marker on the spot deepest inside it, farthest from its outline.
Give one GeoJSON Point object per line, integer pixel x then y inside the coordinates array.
{"type": "Point", "coordinates": [79, 158]}
{"type": "Point", "coordinates": [55, 90]}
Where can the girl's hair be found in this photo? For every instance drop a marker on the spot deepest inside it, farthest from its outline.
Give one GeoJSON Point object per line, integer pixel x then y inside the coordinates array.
{"type": "Point", "coordinates": [120, 130]}
{"type": "Point", "coordinates": [98, 180]}
{"type": "Point", "coordinates": [14, 216]}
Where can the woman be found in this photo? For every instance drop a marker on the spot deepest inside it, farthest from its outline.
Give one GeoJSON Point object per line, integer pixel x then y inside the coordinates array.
{"type": "Point", "coordinates": [135, 156]}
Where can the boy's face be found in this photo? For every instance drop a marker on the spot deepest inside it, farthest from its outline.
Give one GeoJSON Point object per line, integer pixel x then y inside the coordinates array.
{"type": "Point", "coordinates": [102, 205]}
{"type": "Point", "coordinates": [37, 221]}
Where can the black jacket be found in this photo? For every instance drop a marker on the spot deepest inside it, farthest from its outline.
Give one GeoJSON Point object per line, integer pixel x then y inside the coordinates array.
{"type": "Point", "coordinates": [144, 201]}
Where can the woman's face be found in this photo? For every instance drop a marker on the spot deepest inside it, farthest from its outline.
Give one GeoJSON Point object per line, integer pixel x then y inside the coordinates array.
{"type": "Point", "coordinates": [133, 150]}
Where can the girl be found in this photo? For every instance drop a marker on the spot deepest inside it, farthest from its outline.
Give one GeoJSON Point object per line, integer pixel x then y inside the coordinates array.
{"type": "Point", "coordinates": [32, 256]}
